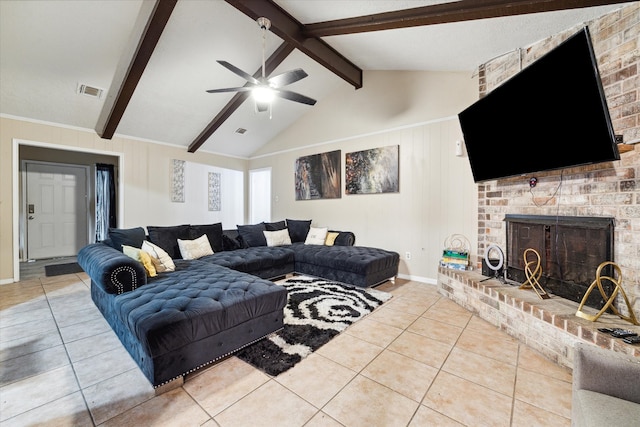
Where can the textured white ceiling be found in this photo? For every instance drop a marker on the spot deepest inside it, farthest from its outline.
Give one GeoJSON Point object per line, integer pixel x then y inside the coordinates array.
{"type": "Point", "coordinates": [48, 47]}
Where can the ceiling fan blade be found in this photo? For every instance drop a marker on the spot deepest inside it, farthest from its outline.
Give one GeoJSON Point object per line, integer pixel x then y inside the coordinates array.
{"type": "Point", "coordinates": [293, 96]}
{"type": "Point", "coordinates": [231, 89]}
{"type": "Point", "coordinates": [287, 78]}
{"type": "Point", "coordinates": [248, 77]}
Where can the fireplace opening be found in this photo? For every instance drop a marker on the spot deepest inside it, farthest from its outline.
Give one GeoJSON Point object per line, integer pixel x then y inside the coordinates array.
{"type": "Point", "coordinates": [571, 249]}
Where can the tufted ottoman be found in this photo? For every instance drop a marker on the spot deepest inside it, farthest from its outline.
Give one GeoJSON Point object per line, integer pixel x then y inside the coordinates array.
{"type": "Point", "coordinates": [180, 321]}
{"type": "Point", "coordinates": [357, 265]}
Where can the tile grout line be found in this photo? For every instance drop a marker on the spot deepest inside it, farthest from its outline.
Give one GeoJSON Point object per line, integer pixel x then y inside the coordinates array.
{"type": "Point", "coordinates": [64, 343]}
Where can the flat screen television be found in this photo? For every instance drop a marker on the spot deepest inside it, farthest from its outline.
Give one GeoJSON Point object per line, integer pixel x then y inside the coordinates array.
{"type": "Point", "coordinates": [551, 115]}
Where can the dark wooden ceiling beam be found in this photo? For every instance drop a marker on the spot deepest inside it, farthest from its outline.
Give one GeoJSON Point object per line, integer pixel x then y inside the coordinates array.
{"type": "Point", "coordinates": [270, 65]}
{"type": "Point", "coordinates": [457, 11]}
{"type": "Point", "coordinates": [115, 106]}
{"type": "Point", "coordinates": [293, 32]}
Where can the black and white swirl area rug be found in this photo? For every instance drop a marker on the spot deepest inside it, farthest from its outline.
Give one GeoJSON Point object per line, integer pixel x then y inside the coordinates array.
{"type": "Point", "coordinates": [317, 310]}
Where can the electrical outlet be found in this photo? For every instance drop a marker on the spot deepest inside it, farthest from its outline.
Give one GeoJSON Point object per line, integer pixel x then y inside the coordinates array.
{"type": "Point", "coordinates": [407, 255]}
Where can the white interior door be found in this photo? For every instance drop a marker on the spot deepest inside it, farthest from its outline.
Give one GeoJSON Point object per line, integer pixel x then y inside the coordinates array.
{"type": "Point", "coordinates": [56, 209]}
{"type": "Point", "coordinates": [259, 195]}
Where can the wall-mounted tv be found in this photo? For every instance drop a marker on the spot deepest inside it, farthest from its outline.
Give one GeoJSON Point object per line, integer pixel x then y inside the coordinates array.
{"type": "Point", "coordinates": [551, 115]}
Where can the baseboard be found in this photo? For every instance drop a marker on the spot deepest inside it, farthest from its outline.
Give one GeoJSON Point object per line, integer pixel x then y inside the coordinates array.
{"type": "Point", "coordinates": [418, 279]}
{"type": "Point", "coordinates": [6, 281]}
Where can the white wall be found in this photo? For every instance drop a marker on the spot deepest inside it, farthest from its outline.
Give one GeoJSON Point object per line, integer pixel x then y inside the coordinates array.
{"type": "Point", "coordinates": [418, 112]}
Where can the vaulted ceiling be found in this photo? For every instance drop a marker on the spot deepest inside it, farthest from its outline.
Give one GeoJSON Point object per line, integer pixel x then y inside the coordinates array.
{"type": "Point", "coordinates": [155, 59]}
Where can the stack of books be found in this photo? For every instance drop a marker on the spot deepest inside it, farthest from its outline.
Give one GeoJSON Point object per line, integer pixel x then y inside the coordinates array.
{"type": "Point", "coordinates": [457, 260]}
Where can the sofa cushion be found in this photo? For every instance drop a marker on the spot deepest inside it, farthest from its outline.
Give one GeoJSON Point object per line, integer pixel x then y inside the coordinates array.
{"type": "Point", "coordinates": [597, 409]}
{"type": "Point", "coordinates": [275, 226]}
{"type": "Point", "coordinates": [194, 249]}
{"type": "Point", "coordinates": [258, 260]}
{"type": "Point", "coordinates": [277, 238]}
{"type": "Point", "coordinates": [230, 244]}
{"type": "Point", "coordinates": [357, 259]}
{"type": "Point", "coordinates": [142, 257]}
{"type": "Point", "coordinates": [167, 238]}
{"type": "Point", "coordinates": [126, 236]}
{"type": "Point", "coordinates": [213, 232]}
{"type": "Point", "coordinates": [298, 229]}
{"type": "Point", "coordinates": [331, 238]}
{"type": "Point", "coordinates": [194, 302]}
{"type": "Point", "coordinates": [252, 235]}
{"type": "Point", "coordinates": [316, 236]}
{"type": "Point", "coordinates": [161, 260]}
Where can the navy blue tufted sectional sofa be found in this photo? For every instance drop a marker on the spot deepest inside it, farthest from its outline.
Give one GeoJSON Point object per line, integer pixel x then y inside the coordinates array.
{"type": "Point", "coordinates": [208, 308]}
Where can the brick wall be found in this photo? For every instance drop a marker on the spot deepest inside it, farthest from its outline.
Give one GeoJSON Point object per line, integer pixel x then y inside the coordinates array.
{"type": "Point", "coordinates": [607, 189]}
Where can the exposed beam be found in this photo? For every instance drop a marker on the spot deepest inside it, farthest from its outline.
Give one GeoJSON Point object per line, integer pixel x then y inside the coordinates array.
{"type": "Point", "coordinates": [126, 80]}
{"type": "Point", "coordinates": [457, 11]}
{"type": "Point", "coordinates": [270, 65]}
{"type": "Point", "coordinates": [292, 31]}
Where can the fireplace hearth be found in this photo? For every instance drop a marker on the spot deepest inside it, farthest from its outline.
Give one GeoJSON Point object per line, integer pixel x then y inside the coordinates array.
{"type": "Point", "coordinates": [571, 248]}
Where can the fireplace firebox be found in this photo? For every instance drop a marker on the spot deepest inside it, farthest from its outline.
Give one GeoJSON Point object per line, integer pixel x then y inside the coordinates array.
{"type": "Point", "coordinates": [571, 249]}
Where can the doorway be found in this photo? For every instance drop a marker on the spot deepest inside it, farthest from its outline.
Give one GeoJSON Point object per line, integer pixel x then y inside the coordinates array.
{"type": "Point", "coordinates": [56, 209]}
{"type": "Point", "coordinates": [259, 195]}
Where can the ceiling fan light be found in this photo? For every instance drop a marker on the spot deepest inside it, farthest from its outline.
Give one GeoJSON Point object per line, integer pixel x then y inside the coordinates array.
{"type": "Point", "coordinates": [263, 94]}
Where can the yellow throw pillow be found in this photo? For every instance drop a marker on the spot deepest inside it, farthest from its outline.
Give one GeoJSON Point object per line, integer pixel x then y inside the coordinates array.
{"type": "Point", "coordinates": [164, 261]}
{"type": "Point", "coordinates": [194, 249]}
{"type": "Point", "coordinates": [145, 259]}
{"type": "Point", "coordinates": [142, 257]}
{"type": "Point", "coordinates": [331, 239]}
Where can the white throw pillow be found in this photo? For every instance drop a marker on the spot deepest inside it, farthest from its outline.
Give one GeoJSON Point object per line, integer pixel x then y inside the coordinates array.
{"type": "Point", "coordinates": [194, 249]}
{"type": "Point", "coordinates": [164, 261]}
{"type": "Point", "coordinates": [277, 238]}
{"type": "Point", "coordinates": [316, 236]}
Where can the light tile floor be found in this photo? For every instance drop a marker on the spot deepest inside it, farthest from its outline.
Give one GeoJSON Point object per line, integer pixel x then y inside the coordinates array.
{"type": "Point", "coordinates": [419, 360]}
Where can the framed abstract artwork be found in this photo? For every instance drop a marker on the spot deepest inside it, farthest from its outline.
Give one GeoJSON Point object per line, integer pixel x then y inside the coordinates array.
{"type": "Point", "coordinates": [318, 176]}
{"type": "Point", "coordinates": [373, 171]}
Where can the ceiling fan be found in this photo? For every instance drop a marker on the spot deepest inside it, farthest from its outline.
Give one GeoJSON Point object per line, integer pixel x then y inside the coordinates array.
{"type": "Point", "coordinates": [265, 89]}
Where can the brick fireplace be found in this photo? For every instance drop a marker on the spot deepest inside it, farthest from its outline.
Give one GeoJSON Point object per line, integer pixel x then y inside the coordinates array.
{"type": "Point", "coordinates": [605, 190]}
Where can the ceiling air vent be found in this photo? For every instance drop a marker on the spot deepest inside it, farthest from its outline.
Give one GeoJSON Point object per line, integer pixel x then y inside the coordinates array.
{"type": "Point", "coordinates": [241, 131]}
{"type": "Point", "coordinates": [91, 91]}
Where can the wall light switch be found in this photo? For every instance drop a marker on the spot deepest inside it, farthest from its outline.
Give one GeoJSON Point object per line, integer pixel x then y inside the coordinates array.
{"type": "Point", "coordinates": [459, 148]}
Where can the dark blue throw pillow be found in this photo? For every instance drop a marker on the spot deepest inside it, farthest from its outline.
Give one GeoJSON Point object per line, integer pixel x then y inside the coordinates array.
{"type": "Point", "coordinates": [167, 238]}
{"type": "Point", "coordinates": [126, 236]}
{"type": "Point", "coordinates": [252, 235]}
{"type": "Point", "coordinates": [298, 229]}
{"type": "Point", "coordinates": [275, 226]}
